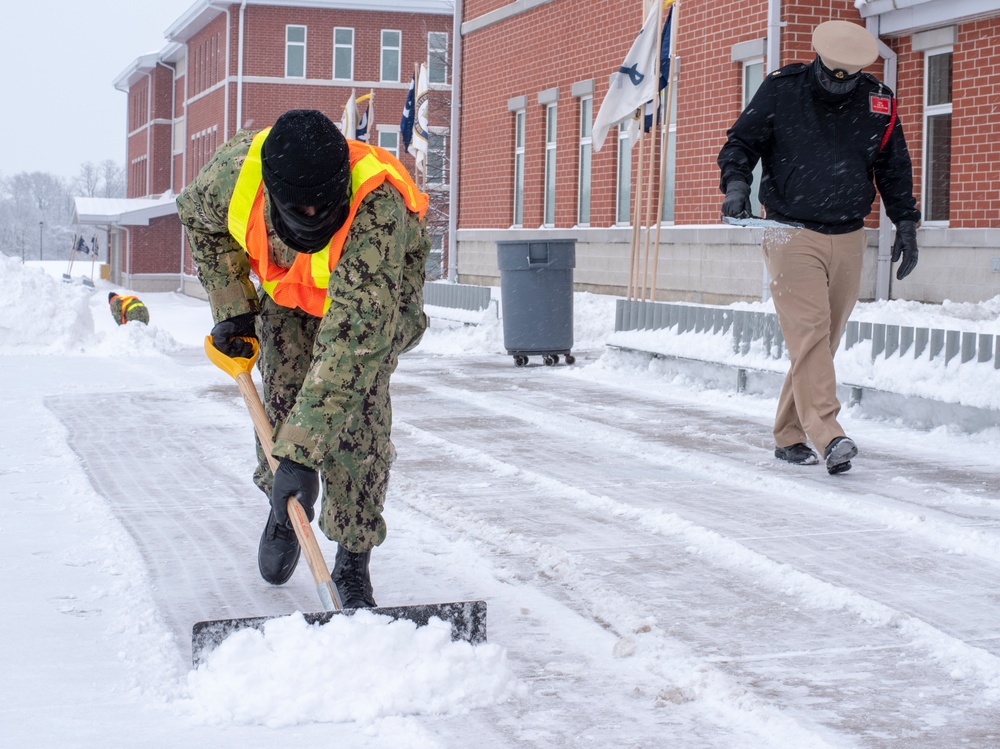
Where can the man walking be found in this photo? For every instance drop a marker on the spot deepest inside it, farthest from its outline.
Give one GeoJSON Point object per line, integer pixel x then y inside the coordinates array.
{"type": "Point", "coordinates": [826, 135]}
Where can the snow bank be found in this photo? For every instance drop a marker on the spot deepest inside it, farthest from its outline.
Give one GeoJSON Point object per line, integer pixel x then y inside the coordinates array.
{"type": "Point", "coordinates": [43, 315]}
{"type": "Point", "coordinates": [358, 668]}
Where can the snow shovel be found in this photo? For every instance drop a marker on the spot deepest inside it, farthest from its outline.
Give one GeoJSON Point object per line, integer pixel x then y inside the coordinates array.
{"type": "Point", "coordinates": [467, 618]}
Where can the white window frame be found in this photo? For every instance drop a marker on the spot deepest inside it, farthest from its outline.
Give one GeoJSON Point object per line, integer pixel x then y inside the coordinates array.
{"type": "Point", "coordinates": [341, 46]}
{"type": "Point", "coordinates": [437, 58]}
{"type": "Point", "coordinates": [585, 160]}
{"type": "Point", "coordinates": [748, 90]}
{"type": "Point", "coordinates": [435, 153]}
{"type": "Point", "coordinates": [623, 184]}
{"type": "Point", "coordinates": [520, 116]}
{"type": "Point", "coordinates": [392, 148]}
{"type": "Point", "coordinates": [388, 49]}
{"type": "Point", "coordinates": [930, 111]}
{"type": "Point", "coordinates": [549, 185]}
{"type": "Point", "coordinates": [291, 45]}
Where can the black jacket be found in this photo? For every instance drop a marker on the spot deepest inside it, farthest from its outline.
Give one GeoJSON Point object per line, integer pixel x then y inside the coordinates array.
{"type": "Point", "coordinates": [821, 160]}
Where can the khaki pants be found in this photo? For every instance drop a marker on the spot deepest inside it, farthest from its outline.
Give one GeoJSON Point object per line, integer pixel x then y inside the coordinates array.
{"type": "Point", "coordinates": [815, 279]}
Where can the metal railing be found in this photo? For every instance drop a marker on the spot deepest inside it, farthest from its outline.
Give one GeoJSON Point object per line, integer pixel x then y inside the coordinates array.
{"type": "Point", "coordinates": [746, 326]}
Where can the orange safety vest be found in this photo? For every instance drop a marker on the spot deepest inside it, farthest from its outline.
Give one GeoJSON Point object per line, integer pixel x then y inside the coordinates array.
{"type": "Point", "coordinates": [304, 284]}
{"type": "Point", "coordinates": [128, 302]}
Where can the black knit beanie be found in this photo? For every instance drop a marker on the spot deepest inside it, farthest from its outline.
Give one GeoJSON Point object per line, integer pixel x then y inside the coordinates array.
{"type": "Point", "coordinates": [305, 160]}
{"type": "Point", "coordinates": [112, 295]}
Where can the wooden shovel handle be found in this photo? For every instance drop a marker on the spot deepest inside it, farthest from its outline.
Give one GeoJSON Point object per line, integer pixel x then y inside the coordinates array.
{"type": "Point", "coordinates": [240, 369]}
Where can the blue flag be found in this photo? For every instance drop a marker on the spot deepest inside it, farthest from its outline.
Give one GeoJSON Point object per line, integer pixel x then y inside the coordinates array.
{"type": "Point", "coordinates": [647, 119]}
{"type": "Point", "coordinates": [406, 124]}
{"type": "Point", "coordinates": [665, 50]}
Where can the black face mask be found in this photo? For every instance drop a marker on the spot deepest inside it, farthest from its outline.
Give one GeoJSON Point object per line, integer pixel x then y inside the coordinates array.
{"type": "Point", "coordinates": [308, 234]}
{"type": "Point", "coordinates": [833, 86]}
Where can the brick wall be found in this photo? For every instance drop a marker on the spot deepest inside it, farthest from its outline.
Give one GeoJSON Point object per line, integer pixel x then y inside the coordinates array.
{"type": "Point", "coordinates": [975, 201]}
{"type": "Point", "coordinates": [558, 45]}
{"type": "Point", "coordinates": [155, 247]}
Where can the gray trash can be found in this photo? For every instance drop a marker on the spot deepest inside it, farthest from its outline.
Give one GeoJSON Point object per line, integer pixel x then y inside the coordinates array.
{"type": "Point", "coordinates": [536, 293]}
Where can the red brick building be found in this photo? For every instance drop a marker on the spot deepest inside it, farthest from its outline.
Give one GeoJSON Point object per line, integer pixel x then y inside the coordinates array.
{"type": "Point", "coordinates": [241, 65]}
{"type": "Point", "coordinates": [529, 116]}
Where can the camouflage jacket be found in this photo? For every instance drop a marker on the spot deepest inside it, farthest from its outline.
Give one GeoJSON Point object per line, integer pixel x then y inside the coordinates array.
{"type": "Point", "coordinates": [376, 293]}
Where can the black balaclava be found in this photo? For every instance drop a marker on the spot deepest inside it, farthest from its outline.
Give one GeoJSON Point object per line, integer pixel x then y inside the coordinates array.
{"type": "Point", "coordinates": [305, 162]}
{"type": "Point", "coordinates": [833, 86]}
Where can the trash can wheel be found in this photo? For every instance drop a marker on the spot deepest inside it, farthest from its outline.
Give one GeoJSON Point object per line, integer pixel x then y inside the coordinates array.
{"type": "Point", "coordinates": [570, 359]}
{"type": "Point", "coordinates": [550, 359]}
{"type": "Point", "coordinates": [520, 360]}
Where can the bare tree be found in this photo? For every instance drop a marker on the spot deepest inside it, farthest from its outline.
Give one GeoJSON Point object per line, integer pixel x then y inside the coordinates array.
{"type": "Point", "coordinates": [87, 180]}
{"type": "Point", "coordinates": [114, 179]}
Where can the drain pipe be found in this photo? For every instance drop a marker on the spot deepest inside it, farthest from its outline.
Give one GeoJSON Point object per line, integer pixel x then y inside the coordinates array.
{"type": "Point", "coordinates": [883, 264]}
{"type": "Point", "coordinates": [456, 118]}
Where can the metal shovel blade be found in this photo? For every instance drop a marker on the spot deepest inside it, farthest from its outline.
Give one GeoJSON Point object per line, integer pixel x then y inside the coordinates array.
{"type": "Point", "coordinates": [467, 620]}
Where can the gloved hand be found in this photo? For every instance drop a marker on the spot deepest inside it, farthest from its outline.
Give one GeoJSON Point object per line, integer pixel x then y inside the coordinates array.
{"type": "Point", "coordinates": [293, 479]}
{"type": "Point", "coordinates": [737, 202]}
{"type": "Point", "coordinates": [226, 335]}
{"type": "Point", "coordinates": [905, 247]}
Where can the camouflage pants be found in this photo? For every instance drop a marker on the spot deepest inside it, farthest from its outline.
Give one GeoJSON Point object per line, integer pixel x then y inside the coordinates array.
{"type": "Point", "coordinates": [354, 481]}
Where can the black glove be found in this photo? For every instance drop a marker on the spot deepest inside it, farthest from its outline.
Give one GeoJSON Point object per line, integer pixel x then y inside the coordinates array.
{"type": "Point", "coordinates": [905, 247]}
{"type": "Point", "coordinates": [293, 480]}
{"type": "Point", "coordinates": [226, 335]}
{"type": "Point", "coordinates": [737, 202]}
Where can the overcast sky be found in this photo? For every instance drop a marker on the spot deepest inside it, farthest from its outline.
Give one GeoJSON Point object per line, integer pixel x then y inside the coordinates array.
{"type": "Point", "coordinates": [59, 58]}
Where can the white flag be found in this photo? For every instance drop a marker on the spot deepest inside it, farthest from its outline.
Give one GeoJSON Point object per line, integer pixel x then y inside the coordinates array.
{"type": "Point", "coordinates": [634, 84]}
{"type": "Point", "coordinates": [418, 144]}
{"type": "Point", "coordinates": [349, 119]}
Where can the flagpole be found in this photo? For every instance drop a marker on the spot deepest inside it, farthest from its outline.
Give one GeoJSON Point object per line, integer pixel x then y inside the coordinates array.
{"type": "Point", "coordinates": [652, 159]}
{"type": "Point", "coordinates": [665, 138]}
{"type": "Point", "coordinates": [636, 223]}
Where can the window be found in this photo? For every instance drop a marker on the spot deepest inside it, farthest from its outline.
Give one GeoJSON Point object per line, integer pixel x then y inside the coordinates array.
{"type": "Point", "coordinates": [518, 168]}
{"type": "Point", "coordinates": [937, 136]}
{"type": "Point", "coordinates": [436, 145]}
{"type": "Point", "coordinates": [435, 258]}
{"type": "Point", "coordinates": [586, 154]}
{"type": "Point", "coordinates": [295, 52]}
{"type": "Point", "coordinates": [389, 141]}
{"type": "Point", "coordinates": [391, 42]}
{"type": "Point", "coordinates": [753, 76]}
{"type": "Point", "coordinates": [549, 196]}
{"type": "Point", "coordinates": [437, 57]}
{"type": "Point", "coordinates": [343, 54]}
{"type": "Point", "coordinates": [623, 207]}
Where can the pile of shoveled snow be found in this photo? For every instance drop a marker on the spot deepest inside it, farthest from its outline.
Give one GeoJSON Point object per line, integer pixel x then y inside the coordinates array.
{"type": "Point", "coordinates": [359, 668]}
{"type": "Point", "coordinates": [43, 315]}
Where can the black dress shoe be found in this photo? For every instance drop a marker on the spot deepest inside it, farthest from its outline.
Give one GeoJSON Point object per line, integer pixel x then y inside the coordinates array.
{"type": "Point", "coordinates": [839, 453]}
{"type": "Point", "coordinates": [800, 454]}
{"type": "Point", "coordinates": [278, 552]}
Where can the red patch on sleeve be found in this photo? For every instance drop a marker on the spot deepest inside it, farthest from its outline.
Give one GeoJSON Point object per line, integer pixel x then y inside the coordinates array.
{"type": "Point", "coordinates": [880, 104]}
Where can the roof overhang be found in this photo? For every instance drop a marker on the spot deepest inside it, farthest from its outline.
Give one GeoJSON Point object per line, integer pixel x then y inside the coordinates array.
{"type": "Point", "coordinates": [122, 211]}
{"type": "Point", "coordinates": [904, 17]}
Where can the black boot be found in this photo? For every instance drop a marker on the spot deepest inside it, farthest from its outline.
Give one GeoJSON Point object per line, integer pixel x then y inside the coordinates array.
{"type": "Point", "coordinates": [350, 575]}
{"type": "Point", "coordinates": [278, 552]}
{"type": "Point", "coordinates": [838, 455]}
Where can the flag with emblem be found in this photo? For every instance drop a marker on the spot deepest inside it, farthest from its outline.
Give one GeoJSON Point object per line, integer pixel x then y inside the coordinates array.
{"type": "Point", "coordinates": [418, 144]}
{"type": "Point", "coordinates": [349, 119]}
{"type": "Point", "coordinates": [406, 123]}
{"type": "Point", "coordinates": [633, 84]}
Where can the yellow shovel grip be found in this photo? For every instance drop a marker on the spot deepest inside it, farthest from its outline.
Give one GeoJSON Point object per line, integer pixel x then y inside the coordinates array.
{"type": "Point", "coordinates": [232, 365]}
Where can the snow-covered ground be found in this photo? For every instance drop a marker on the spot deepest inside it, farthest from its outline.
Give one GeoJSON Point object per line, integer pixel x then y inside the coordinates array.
{"type": "Point", "coordinates": [654, 577]}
